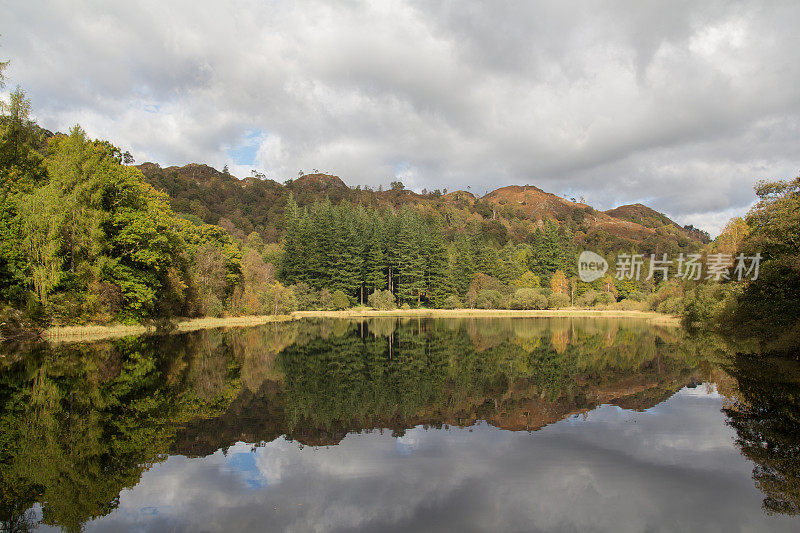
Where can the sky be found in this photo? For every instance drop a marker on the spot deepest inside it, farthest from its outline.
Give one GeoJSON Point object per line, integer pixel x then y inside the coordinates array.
{"type": "Point", "coordinates": [681, 105]}
{"type": "Point", "coordinates": [614, 470]}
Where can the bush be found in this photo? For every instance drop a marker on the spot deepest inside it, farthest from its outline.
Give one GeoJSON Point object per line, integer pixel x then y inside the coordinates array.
{"type": "Point", "coordinates": [558, 301]}
{"type": "Point", "coordinates": [489, 299]}
{"type": "Point", "coordinates": [381, 300]}
{"type": "Point", "coordinates": [211, 305]}
{"type": "Point", "coordinates": [587, 299]}
{"type": "Point", "coordinates": [453, 302]}
{"type": "Point", "coordinates": [339, 300]}
{"type": "Point", "coordinates": [324, 299]}
{"type": "Point", "coordinates": [279, 300]}
{"type": "Point", "coordinates": [528, 299]}
{"type": "Point", "coordinates": [405, 307]}
{"type": "Point", "coordinates": [480, 283]}
{"type": "Point", "coordinates": [605, 298]}
{"type": "Point", "coordinates": [627, 304]}
{"type": "Point", "coordinates": [306, 297]}
{"type": "Point", "coordinates": [671, 306]}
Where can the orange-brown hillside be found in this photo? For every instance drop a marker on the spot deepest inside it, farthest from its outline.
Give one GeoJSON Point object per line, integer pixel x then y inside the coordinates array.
{"type": "Point", "coordinates": [532, 202]}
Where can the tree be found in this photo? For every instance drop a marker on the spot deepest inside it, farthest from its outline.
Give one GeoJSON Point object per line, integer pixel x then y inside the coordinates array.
{"type": "Point", "coordinates": [381, 300]}
{"type": "Point", "coordinates": [732, 236]}
{"type": "Point", "coordinates": [558, 283]}
{"type": "Point", "coordinates": [527, 298]}
{"type": "Point", "coordinates": [376, 265]}
{"type": "Point", "coordinates": [40, 229]}
{"type": "Point", "coordinates": [528, 280]}
{"type": "Point", "coordinates": [410, 264]}
{"type": "Point", "coordinates": [769, 306]}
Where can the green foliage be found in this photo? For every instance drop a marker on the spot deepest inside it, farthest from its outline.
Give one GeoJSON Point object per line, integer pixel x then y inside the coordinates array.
{"type": "Point", "coordinates": [587, 299]}
{"type": "Point", "coordinates": [382, 300]}
{"type": "Point", "coordinates": [769, 308]}
{"type": "Point", "coordinates": [93, 241]}
{"type": "Point", "coordinates": [357, 251]}
{"type": "Point", "coordinates": [453, 302]}
{"type": "Point", "coordinates": [558, 301]}
{"type": "Point", "coordinates": [527, 298]}
{"type": "Point", "coordinates": [490, 299]}
{"type": "Point", "coordinates": [528, 280]}
{"type": "Point", "coordinates": [339, 300]}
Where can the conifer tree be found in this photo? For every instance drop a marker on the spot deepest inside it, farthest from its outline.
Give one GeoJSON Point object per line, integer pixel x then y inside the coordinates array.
{"type": "Point", "coordinates": [410, 261]}
{"type": "Point", "coordinates": [376, 264]}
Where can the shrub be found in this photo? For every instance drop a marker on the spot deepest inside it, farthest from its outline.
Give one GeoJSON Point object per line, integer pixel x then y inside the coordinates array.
{"type": "Point", "coordinates": [482, 282]}
{"type": "Point", "coordinates": [324, 301]}
{"type": "Point", "coordinates": [627, 304]}
{"type": "Point", "coordinates": [211, 305]}
{"type": "Point", "coordinates": [405, 307]}
{"type": "Point", "coordinates": [453, 302]}
{"type": "Point", "coordinates": [339, 300]}
{"type": "Point", "coordinates": [306, 297]}
{"type": "Point", "coordinates": [558, 301]}
{"type": "Point", "coordinates": [587, 299]}
{"type": "Point", "coordinates": [605, 298]}
{"type": "Point", "coordinates": [279, 300]}
{"type": "Point", "coordinates": [671, 306]}
{"type": "Point", "coordinates": [489, 299]}
{"type": "Point", "coordinates": [381, 300]}
{"type": "Point", "coordinates": [528, 299]}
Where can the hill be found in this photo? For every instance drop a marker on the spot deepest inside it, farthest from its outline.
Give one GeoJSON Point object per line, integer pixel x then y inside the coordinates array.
{"type": "Point", "coordinates": [511, 213]}
{"type": "Point", "coordinates": [650, 218]}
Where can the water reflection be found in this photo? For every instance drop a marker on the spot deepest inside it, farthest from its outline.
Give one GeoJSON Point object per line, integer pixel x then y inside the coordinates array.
{"type": "Point", "coordinates": [82, 423]}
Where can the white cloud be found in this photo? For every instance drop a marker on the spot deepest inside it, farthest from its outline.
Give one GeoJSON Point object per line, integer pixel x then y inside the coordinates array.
{"type": "Point", "coordinates": [615, 470]}
{"type": "Point", "coordinates": [684, 107]}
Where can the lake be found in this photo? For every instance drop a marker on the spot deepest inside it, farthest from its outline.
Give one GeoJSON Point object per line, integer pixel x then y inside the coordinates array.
{"type": "Point", "coordinates": [503, 424]}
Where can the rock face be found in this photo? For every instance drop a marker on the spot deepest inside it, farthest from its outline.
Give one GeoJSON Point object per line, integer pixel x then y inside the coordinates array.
{"type": "Point", "coordinates": [319, 182]}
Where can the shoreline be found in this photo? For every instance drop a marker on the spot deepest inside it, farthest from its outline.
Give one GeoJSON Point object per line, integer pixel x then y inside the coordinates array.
{"type": "Point", "coordinates": [490, 313]}
{"type": "Point", "coordinates": [89, 332]}
{"type": "Point", "coordinates": [94, 332]}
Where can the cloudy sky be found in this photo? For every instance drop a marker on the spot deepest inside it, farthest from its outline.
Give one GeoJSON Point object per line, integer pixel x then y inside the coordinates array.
{"type": "Point", "coordinates": [681, 105]}
{"type": "Point", "coordinates": [615, 470]}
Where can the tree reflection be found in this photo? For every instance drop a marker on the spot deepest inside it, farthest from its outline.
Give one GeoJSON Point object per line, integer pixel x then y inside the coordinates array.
{"type": "Point", "coordinates": [79, 423]}
{"type": "Point", "coordinates": [766, 416]}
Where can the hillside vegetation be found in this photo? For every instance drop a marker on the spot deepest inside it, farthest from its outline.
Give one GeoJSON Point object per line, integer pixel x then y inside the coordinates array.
{"type": "Point", "coordinates": [88, 237]}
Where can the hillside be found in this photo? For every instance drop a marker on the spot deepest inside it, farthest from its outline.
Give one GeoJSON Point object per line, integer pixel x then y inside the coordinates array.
{"type": "Point", "coordinates": [511, 213]}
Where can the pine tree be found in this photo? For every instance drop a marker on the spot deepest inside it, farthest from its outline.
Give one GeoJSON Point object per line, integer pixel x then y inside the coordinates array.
{"type": "Point", "coordinates": [410, 262]}
{"type": "Point", "coordinates": [437, 288]}
{"type": "Point", "coordinates": [376, 264]}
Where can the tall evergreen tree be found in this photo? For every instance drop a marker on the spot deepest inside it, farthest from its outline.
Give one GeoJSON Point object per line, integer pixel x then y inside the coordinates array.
{"type": "Point", "coordinates": [410, 261]}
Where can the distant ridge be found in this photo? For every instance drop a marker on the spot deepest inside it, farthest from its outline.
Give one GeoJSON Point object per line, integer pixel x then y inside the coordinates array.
{"type": "Point", "coordinates": [256, 204]}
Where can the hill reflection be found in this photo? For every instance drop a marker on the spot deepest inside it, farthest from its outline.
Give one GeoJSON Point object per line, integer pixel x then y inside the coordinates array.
{"type": "Point", "coordinates": [80, 423]}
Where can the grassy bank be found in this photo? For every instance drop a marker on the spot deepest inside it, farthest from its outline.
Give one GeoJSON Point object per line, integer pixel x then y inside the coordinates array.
{"type": "Point", "coordinates": [489, 313]}
{"type": "Point", "coordinates": [96, 332]}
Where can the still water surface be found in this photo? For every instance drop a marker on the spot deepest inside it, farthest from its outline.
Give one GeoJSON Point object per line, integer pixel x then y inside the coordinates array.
{"type": "Point", "coordinates": [391, 425]}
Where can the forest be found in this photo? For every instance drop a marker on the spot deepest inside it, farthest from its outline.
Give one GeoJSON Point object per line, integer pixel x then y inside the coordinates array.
{"type": "Point", "coordinates": [87, 237]}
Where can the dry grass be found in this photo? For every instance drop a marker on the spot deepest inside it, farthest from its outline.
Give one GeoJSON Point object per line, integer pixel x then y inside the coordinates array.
{"type": "Point", "coordinates": [87, 333]}
{"type": "Point", "coordinates": [488, 313]}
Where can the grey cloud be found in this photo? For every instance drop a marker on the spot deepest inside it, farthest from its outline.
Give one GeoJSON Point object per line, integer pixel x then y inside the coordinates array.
{"type": "Point", "coordinates": [684, 106]}
{"type": "Point", "coordinates": [615, 470]}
